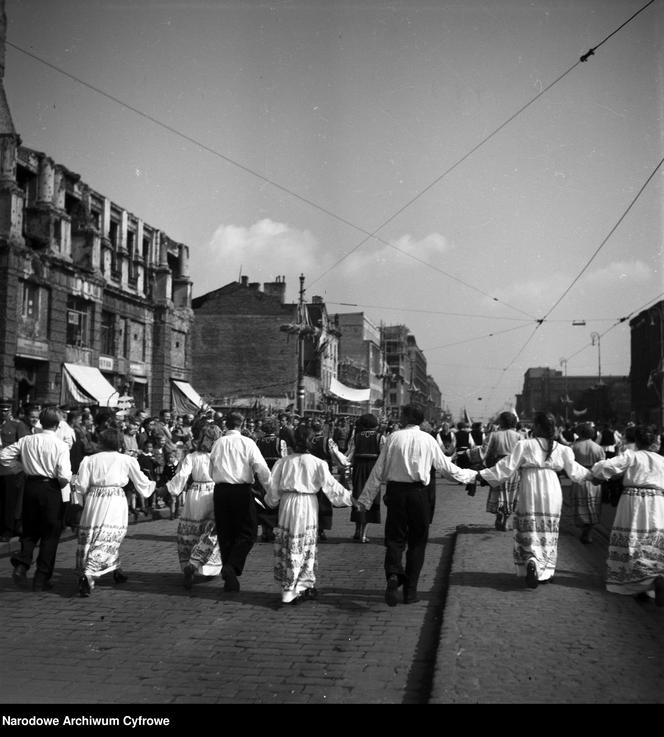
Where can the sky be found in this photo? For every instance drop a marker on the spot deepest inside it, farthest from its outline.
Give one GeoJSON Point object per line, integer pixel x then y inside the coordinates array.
{"type": "Point", "coordinates": [448, 166]}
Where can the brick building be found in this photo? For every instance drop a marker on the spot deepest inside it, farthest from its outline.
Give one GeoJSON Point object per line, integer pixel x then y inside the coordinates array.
{"type": "Point", "coordinates": [647, 365]}
{"type": "Point", "coordinates": [574, 398]}
{"type": "Point", "coordinates": [245, 348]}
{"type": "Point", "coordinates": [96, 303]}
{"type": "Point", "coordinates": [360, 361]}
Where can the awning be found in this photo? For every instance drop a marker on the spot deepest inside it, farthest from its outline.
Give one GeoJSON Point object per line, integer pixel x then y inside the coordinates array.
{"type": "Point", "coordinates": [87, 385]}
{"type": "Point", "coordinates": [348, 393]}
{"type": "Point", "coordinates": [254, 402]}
{"type": "Point", "coordinates": [185, 399]}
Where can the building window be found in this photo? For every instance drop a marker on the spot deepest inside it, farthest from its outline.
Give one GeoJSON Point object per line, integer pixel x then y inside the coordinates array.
{"type": "Point", "coordinates": [114, 237]}
{"type": "Point", "coordinates": [34, 304]}
{"type": "Point", "coordinates": [131, 248]}
{"type": "Point", "coordinates": [179, 348]}
{"type": "Point", "coordinates": [136, 340]}
{"type": "Point", "coordinates": [107, 333]}
{"type": "Point", "coordinates": [79, 322]}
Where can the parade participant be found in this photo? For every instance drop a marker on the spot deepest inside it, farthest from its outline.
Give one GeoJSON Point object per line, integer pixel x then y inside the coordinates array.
{"type": "Point", "coordinates": [11, 481]}
{"type": "Point", "coordinates": [446, 439]}
{"type": "Point", "coordinates": [100, 483]}
{"type": "Point", "coordinates": [44, 458]}
{"type": "Point", "coordinates": [234, 460]}
{"type": "Point", "coordinates": [502, 498]}
{"type": "Point", "coordinates": [363, 453]}
{"type": "Point", "coordinates": [537, 524]}
{"type": "Point", "coordinates": [272, 448]}
{"type": "Point", "coordinates": [586, 496]}
{"type": "Point", "coordinates": [294, 486]}
{"type": "Point", "coordinates": [404, 464]}
{"type": "Point", "coordinates": [636, 544]}
{"type": "Point", "coordinates": [325, 448]}
{"type": "Point", "coordinates": [198, 545]}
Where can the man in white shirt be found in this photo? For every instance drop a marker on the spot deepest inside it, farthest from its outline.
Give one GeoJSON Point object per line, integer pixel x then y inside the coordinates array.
{"type": "Point", "coordinates": [234, 460]}
{"type": "Point", "coordinates": [45, 460]}
{"type": "Point", "coordinates": [405, 464]}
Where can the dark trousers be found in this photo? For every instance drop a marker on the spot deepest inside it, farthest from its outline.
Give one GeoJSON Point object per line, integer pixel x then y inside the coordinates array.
{"type": "Point", "coordinates": [236, 521]}
{"type": "Point", "coordinates": [43, 510]}
{"type": "Point", "coordinates": [11, 503]}
{"type": "Point", "coordinates": [406, 528]}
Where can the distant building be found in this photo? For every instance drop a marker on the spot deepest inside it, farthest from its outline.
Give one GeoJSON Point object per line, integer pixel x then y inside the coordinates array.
{"type": "Point", "coordinates": [360, 361]}
{"type": "Point", "coordinates": [96, 303]}
{"type": "Point", "coordinates": [245, 348]}
{"type": "Point", "coordinates": [574, 398]}
{"type": "Point", "coordinates": [647, 369]}
{"type": "Point", "coordinates": [406, 379]}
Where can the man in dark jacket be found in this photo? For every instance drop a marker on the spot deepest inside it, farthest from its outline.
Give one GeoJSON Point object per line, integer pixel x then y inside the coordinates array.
{"type": "Point", "coordinates": [11, 483]}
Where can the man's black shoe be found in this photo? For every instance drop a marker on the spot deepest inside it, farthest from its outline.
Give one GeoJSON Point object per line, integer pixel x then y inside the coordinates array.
{"type": "Point", "coordinates": [410, 597]}
{"type": "Point", "coordinates": [20, 576]}
{"type": "Point", "coordinates": [40, 583]}
{"type": "Point", "coordinates": [230, 579]}
{"type": "Point", "coordinates": [391, 591]}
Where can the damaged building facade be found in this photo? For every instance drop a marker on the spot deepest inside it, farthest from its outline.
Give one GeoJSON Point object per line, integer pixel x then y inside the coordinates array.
{"type": "Point", "coordinates": [96, 303]}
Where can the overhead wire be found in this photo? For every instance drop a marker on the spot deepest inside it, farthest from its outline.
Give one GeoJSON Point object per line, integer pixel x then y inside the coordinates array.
{"type": "Point", "coordinates": [485, 140]}
{"type": "Point", "coordinates": [315, 205]}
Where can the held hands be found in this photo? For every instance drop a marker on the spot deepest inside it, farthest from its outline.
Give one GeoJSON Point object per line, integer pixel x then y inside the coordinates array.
{"type": "Point", "coordinates": [481, 481]}
{"type": "Point", "coordinates": [356, 505]}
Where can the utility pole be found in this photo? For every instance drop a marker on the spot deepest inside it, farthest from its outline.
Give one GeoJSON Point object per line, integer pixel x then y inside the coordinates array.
{"type": "Point", "coordinates": [300, 350]}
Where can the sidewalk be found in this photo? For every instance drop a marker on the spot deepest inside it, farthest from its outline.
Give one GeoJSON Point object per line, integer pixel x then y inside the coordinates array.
{"type": "Point", "coordinates": [565, 642]}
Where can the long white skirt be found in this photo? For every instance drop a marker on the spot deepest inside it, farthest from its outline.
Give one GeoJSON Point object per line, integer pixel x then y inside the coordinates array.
{"type": "Point", "coordinates": [198, 545]}
{"type": "Point", "coordinates": [102, 529]}
{"type": "Point", "coordinates": [586, 503]}
{"type": "Point", "coordinates": [636, 543]}
{"type": "Point", "coordinates": [537, 522]}
{"type": "Point", "coordinates": [295, 544]}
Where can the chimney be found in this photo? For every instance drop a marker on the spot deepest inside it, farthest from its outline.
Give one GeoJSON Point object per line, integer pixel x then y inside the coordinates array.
{"type": "Point", "coordinates": [316, 300]}
{"type": "Point", "coordinates": [277, 288]}
{"type": "Point", "coordinates": [245, 281]}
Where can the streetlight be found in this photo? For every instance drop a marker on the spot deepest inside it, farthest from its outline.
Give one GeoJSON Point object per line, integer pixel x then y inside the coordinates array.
{"type": "Point", "coordinates": [595, 338]}
{"type": "Point", "coordinates": [563, 363]}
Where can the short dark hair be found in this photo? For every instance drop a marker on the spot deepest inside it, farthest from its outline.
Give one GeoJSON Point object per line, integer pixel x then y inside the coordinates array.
{"type": "Point", "coordinates": [235, 419]}
{"type": "Point", "coordinates": [507, 420]}
{"type": "Point", "coordinates": [49, 418]}
{"type": "Point", "coordinates": [412, 414]}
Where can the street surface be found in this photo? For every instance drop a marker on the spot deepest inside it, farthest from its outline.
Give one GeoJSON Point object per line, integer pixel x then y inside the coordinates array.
{"type": "Point", "coordinates": [477, 635]}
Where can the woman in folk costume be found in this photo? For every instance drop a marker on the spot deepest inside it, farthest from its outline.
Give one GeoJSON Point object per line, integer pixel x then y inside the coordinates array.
{"type": "Point", "coordinates": [325, 447]}
{"type": "Point", "coordinates": [502, 498]}
{"type": "Point", "coordinates": [586, 496]}
{"type": "Point", "coordinates": [100, 482]}
{"type": "Point", "coordinates": [539, 459]}
{"type": "Point", "coordinates": [636, 544]}
{"type": "Point", "coordinates": [295, 482]}
{"type": "Point", "coordinates": [198, 546]}
{"type": "Point", "coordinates": [363, 452]}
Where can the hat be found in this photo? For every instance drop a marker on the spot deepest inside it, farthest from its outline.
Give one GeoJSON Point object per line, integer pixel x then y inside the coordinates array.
{"type": "Point", "coordinates": [6, 403]}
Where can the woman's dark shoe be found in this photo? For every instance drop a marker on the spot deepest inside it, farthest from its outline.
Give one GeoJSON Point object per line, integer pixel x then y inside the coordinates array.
{"type": "Point", "coordinates": [188, 576]}
{"type": "Point", "coordinates": [311, 594]}
{"type": "Point", "coordinates": [659, 591]}
{"type": "Point", "coordinates": [119, 576]}
{"type": "Point", "coordinates": [531, 575]}
{"type": "Point", "coordinates": [84, 588]}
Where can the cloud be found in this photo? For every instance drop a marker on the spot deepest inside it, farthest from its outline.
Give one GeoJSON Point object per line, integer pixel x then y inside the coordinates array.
{"type": "Point", "coordinates": [429, 249]}
{"type": "Point", "coordinates": [619, 273]}
{"type": "Point", "coordinates": [261, 251]}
